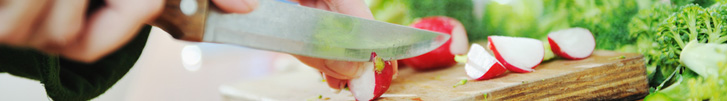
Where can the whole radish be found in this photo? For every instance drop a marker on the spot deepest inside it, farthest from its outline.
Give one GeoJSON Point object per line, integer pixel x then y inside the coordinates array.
{"type": "Point", "coordinates": [443, 56]}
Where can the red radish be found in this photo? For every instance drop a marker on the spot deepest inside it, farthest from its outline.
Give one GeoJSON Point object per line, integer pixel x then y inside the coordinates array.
{"type": "Point", "coordinates": [520, 55]}
{"type": "Point", "coordinates": [374, 80]}
{"type": "Point", "coordinates": [444, 55]}
{"type": "Point", "coordinates": [573, 43]}
{"type": "Point", "coordinates": [481, 65]}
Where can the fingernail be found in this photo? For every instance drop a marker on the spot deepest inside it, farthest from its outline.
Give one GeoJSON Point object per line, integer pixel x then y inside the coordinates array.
{"type": "Point", "coordinates": [237, 6]}
{"type": "Point", "coordinates": [250, 5]}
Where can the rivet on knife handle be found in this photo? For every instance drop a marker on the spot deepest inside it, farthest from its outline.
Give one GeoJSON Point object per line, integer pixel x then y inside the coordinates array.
{"type": "Point", "coordinates": [189, 26]}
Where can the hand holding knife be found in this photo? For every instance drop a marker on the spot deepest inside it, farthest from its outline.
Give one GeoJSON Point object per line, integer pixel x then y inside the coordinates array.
{"type": "Point", "coordinates": [320, 38]}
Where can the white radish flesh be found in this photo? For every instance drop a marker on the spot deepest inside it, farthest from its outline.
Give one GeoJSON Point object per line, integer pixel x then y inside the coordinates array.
{"type": "Point", "coordinates": [517, 54]}
{"type": "Point", "coordinates": [573, 43]}
{"type": "Point", "coordinates": [481, 65]}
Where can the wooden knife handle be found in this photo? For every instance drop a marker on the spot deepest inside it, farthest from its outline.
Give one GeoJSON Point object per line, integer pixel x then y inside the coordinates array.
{"type": "Point", "coordinates": [184, 19]}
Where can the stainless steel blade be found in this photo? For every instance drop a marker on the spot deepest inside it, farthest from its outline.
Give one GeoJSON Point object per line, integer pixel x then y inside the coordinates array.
{"type": "Point", "coordinates": [295, 29]}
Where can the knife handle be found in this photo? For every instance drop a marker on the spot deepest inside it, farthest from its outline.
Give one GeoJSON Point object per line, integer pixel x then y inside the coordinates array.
{"type": "Point", "coordinates": [184, 19]}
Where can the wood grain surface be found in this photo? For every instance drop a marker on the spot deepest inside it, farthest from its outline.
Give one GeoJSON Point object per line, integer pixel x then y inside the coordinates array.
{"type": "Point", "coordinates": [606, 75]}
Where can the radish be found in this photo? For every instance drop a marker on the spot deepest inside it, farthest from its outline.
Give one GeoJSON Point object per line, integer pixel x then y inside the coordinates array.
{"type": "Point", "coordinates": [481, 65]}
{"type": "Point", "coordinates": [520, 55]}
{"type": "Point", "coordinates": [443, 56]}
{"type": "Point", "coordinates": [573, 43]}
{"type": "Point", "coordinates": [374, 80]}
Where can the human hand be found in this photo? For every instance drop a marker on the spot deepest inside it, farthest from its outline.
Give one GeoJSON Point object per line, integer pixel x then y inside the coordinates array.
{"type": "Point", "coordinates": [337, 73]}
{"type": "Point", "coordinates": [67, 27]}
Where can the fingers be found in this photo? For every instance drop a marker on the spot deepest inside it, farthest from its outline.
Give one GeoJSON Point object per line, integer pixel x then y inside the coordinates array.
{"type": "Point", "coordinates": [236, 6]}
{"type": "Point", "coordinates": [61, 25]}
{"type": "Point", "coordinates": [111, 26]}
{"type": "Point", "coordinates": [339, 83]}
{"type": "Point", "coordinates": [17, 18]}
{"type": "Point", "coordinates": [333, 68]}
{"type": "Point", "coordinates": [335, 83]}
{"type": "Point", "coordinates": [319, 4]}
{"type": "Point", "coordinates": [349, 7]}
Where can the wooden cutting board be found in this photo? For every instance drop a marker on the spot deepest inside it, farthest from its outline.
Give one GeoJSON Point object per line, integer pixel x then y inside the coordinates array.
{"type": "Point", "coordinates": [606, 75]}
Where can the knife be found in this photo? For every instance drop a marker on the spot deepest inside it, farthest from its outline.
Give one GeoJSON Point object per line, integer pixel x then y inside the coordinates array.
{"type": "Point", "coordinates": [294, 29]}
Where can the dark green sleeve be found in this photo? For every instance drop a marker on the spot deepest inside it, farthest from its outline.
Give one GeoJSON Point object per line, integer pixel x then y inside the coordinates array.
{"type": "Point", "coordinates": [66, 80]}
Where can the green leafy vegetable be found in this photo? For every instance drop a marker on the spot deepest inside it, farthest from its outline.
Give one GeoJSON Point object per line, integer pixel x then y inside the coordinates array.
{"type": "Point", "coordinates": [704, 58]}
{"type": "Point", "coordinates": [686, 36]}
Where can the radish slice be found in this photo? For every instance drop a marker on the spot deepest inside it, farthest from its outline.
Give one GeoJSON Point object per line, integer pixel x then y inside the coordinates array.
{"type": "Point", "coordinates": [481, 65]}
{"type": "Point", "coordinates": [373, 81]}
{"type": "Point", "coordinates": [574, 43]}
{"type": "Point", "coordinates": [367, 81]}
{"type": "Point", "coordinates": [520, 55]}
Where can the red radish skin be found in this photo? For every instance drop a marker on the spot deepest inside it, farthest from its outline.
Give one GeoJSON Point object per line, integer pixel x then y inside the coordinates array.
{"type": "Point", "coordinates": [581, 48]}
{"type": "Point", "coordinates": [495, 70]}
{"type": "Point", "coordinates": [481, 65]}
{"type": "Point", "coordinates": [443, 56]}
{"type": "Point", "coordinates": [512, 67]}
{"type": "Point", "coordinates": [372, 83]}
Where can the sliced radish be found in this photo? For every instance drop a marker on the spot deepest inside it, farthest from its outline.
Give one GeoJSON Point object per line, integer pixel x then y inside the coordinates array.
{"type": "Point", "coordinates": [573, 43]}
{"type": "Point", "coordinates": [481, 65]}
{"type": "Point", "coordinates": [443, 56]}
{"type": "Point", "coordinates": [374, 80]}
{"type": "Point", "coordinates": [520, 55]}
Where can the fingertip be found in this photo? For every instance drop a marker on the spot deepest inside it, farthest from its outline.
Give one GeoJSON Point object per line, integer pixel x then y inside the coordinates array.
{"type": "Point", "coordinates": [335, 83]}
{"type": "Point", "coordinates": [236, 6]}
{"type": "Point", "coordinates": [352, 7]}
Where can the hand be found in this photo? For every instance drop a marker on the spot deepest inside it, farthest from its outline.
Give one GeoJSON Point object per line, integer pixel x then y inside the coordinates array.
{"type": "Point", "coordinates": [67, 28]}
{"type": "Point", "coordinates": [337, 72]}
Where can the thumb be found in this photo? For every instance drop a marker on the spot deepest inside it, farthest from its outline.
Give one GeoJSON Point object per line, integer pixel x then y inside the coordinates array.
{"type": "Point", "coordinates": [236, 6]}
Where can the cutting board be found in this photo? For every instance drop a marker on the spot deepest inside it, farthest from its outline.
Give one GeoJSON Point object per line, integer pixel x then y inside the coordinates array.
{"type": "Point", "coordinates": [605, 75]}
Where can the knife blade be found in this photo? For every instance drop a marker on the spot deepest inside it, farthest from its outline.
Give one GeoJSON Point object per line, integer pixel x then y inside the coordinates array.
{"type": "Point", "coordinates": [294, 29]}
